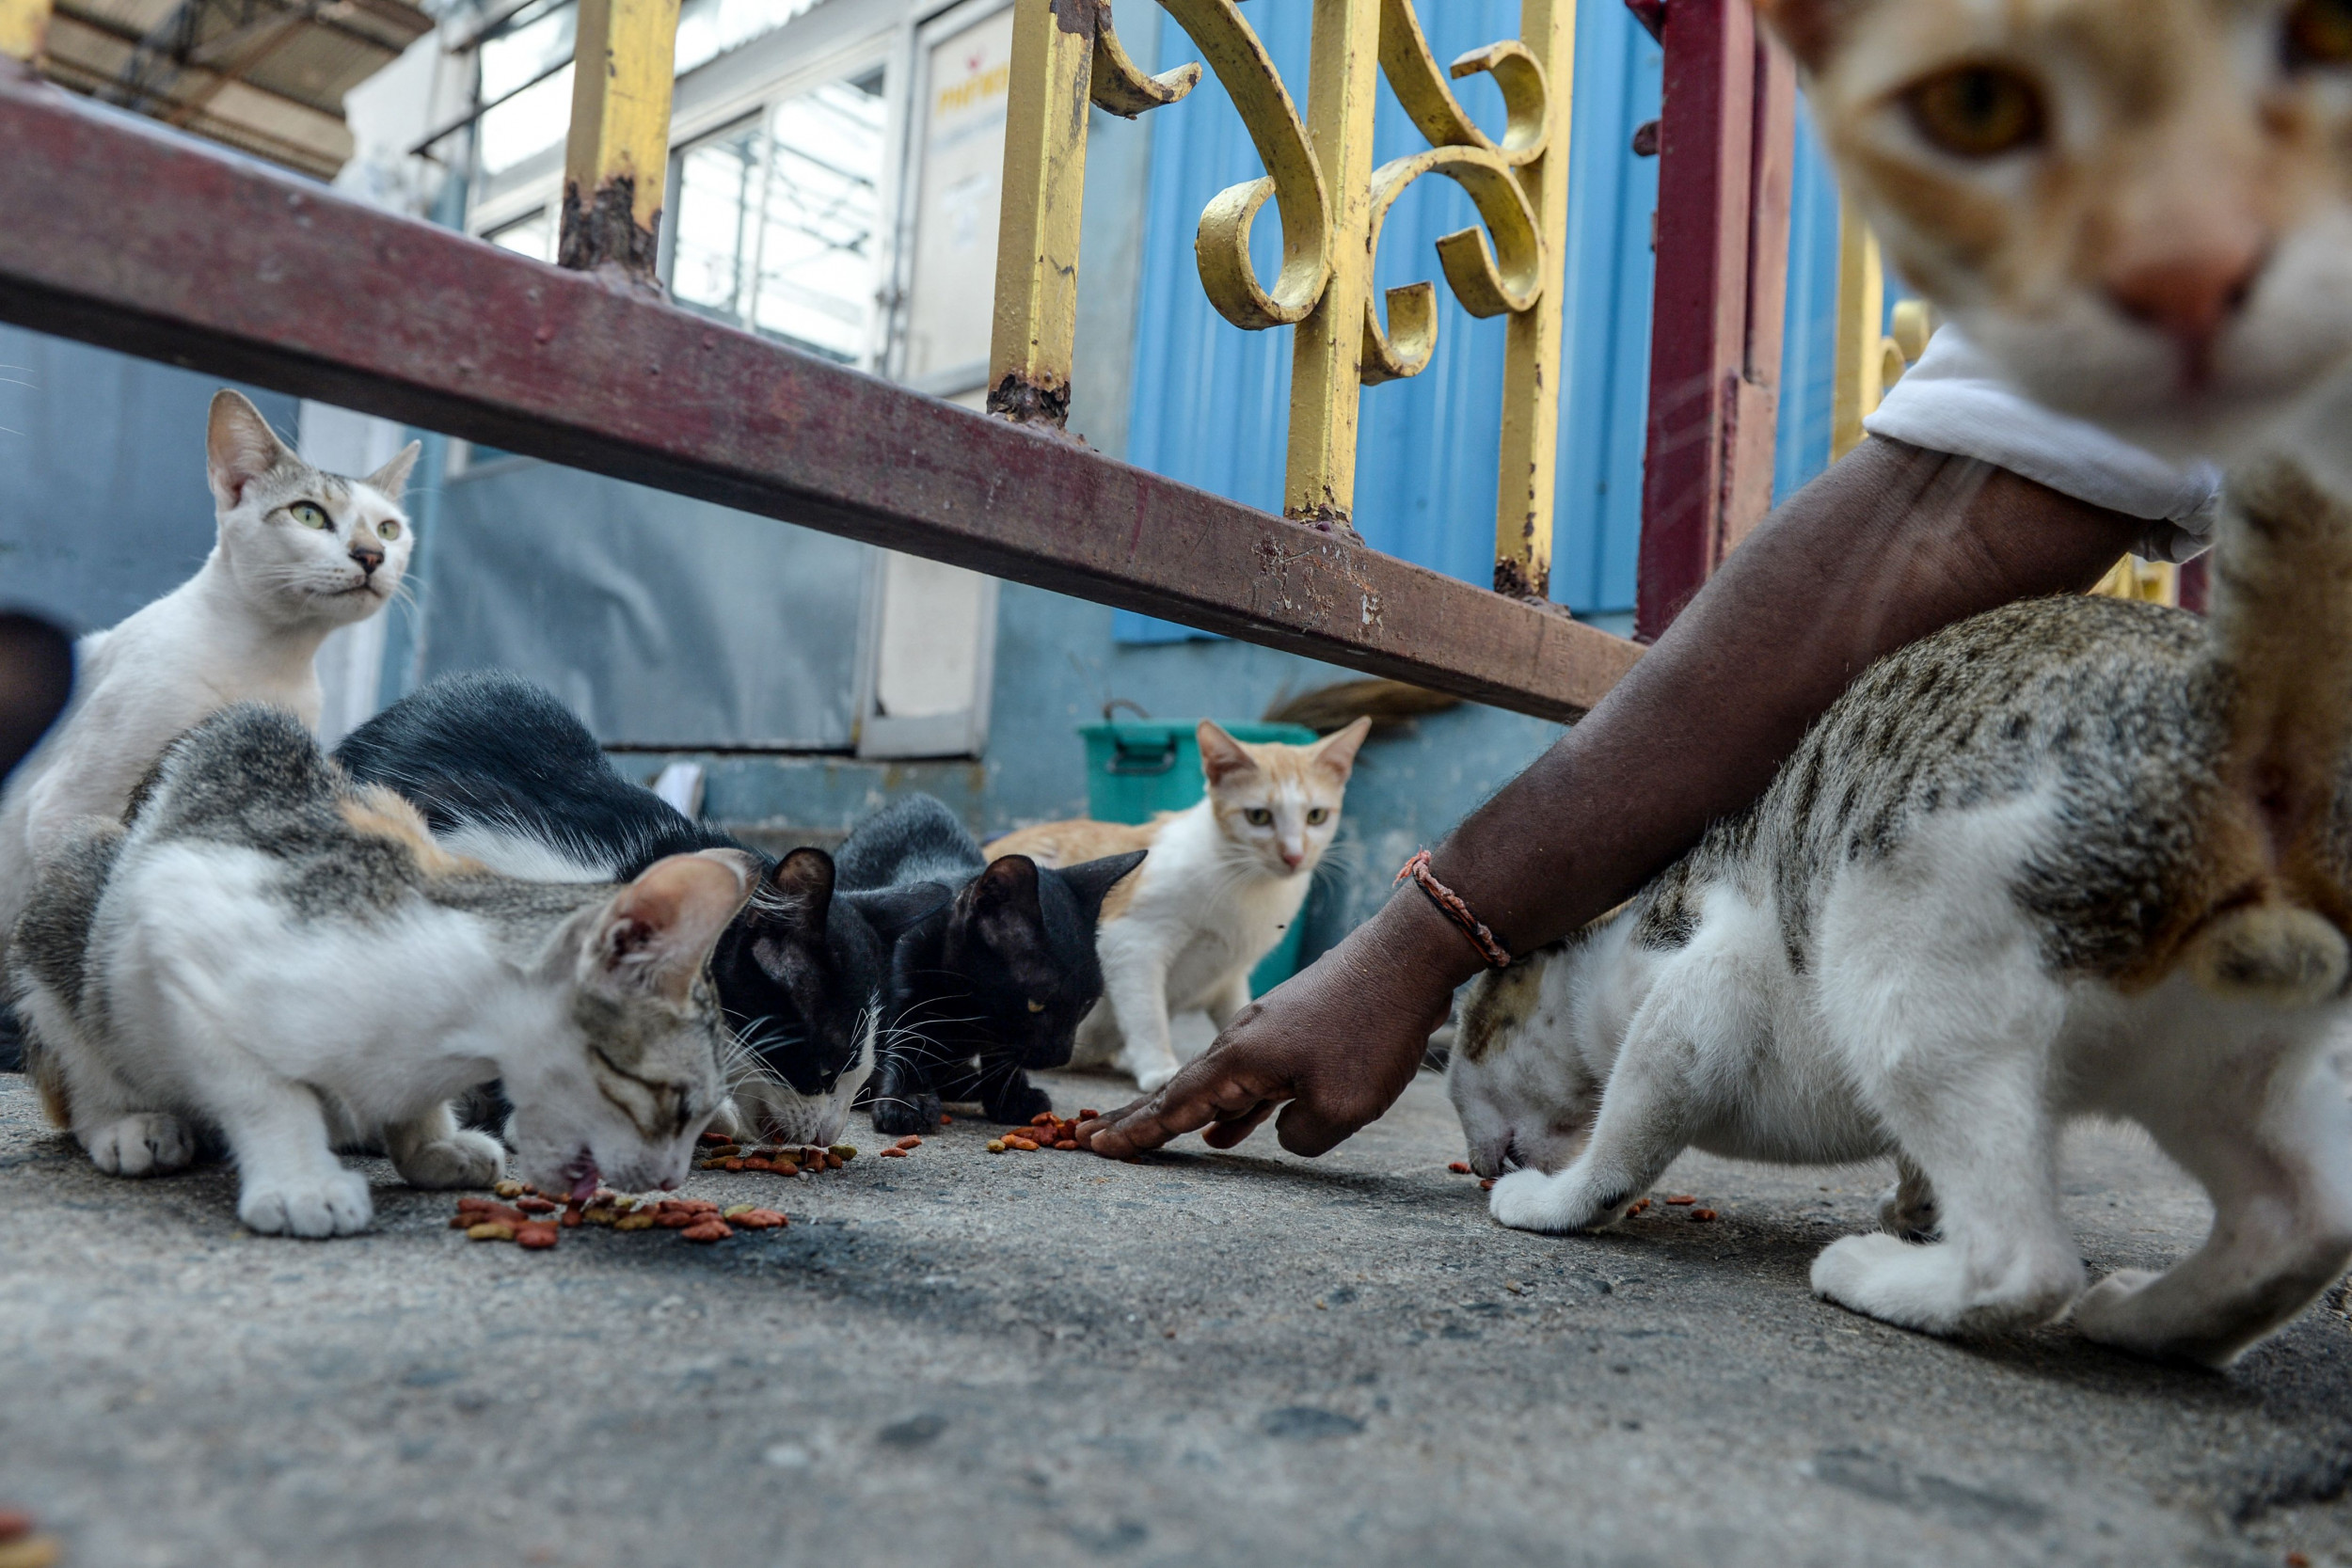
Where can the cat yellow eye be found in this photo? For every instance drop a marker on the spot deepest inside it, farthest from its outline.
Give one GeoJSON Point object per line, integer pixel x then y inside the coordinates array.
{"type": "Point", "coordinates": [1259, 817]}
{"type": "Point", "coordinates": [1035, 1006]}
{"type": "Point", "coordinates": [2319, 32]}
{"type": "Point", "coordinates": [388, 528]}
{"type": "Point", "coordinates": [1315, 817]}
{"type": "Point", "coordinates": [1977, 111]}
{"type": "Point", "coordinates": [307, 515]}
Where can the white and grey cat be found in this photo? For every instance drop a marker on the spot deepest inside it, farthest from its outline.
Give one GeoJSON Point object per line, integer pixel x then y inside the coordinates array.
{"type": "Point", "coordinates": [1223, 880]}
{"type": "Point", "coordinates": [2075, 857]}
{"type": "Point", "coordinates": [268, 953]}
{"type": "Point", "coordinates": [300, 553]}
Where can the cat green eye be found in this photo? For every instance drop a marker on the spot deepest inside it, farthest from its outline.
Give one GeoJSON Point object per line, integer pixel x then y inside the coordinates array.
{"type": "Point", "coordinates": [388, 528]}
{"type": "Point", "coordinates": [308, 515]}
{"type": "Point", "coordinates": [1259, 817]}
{"type": "Point", "coordinates": [1315, 817]}
{"type": "Point", "coordinates": [1977, 111]}
{"type": "Point", "coordinates": [2319, 32]}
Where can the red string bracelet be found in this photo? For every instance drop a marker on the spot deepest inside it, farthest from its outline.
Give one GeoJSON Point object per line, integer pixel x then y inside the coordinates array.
{"type": "Point", "coordinates": [1450, 902]}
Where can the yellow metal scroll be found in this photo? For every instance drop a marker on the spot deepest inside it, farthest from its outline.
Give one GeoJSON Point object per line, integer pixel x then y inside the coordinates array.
{"type": "Point", "coordinates": [1333, 202]}
{"type": "Point", "coordinates": [24, 27]}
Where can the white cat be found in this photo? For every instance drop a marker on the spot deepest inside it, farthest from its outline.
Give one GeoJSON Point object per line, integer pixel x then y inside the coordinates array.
{"type": "Point", "coordinates": [300, 553]}
{"type": "Point", "coordinates": [270, 955]}
{"type": "Point", "coordinates": [2073, 857]}
{"type": "Point", "coordinates": [1224, 880]}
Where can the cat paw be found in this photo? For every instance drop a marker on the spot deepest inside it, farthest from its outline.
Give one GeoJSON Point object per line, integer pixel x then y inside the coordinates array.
{"type": "Point", "coordinates": [1556, 1205]}
{"type": "Point", "coordinates": [2111, 1313]}
{"type": "Point", "coordinates": [1151, 1078]}
{"type": "Point", "coordinates": [1017, 1110]}
{"type": "Point", "coordinates": [150, 1143]}
{"type": "Point", "coordinates": [900, 1115]}
{"type": "Point", "coordinates": [460, 1160]}
{"type": "Point", "coordinates": [1936, 1291]}
{"type": "Point", "coordinates": [333, 1205]}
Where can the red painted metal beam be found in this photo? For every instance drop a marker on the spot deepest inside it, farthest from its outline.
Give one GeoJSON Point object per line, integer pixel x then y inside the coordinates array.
{"type": "Point", "coordinates": [118, 232]}
{"type": "Point", "coordinates": [1726, 140]}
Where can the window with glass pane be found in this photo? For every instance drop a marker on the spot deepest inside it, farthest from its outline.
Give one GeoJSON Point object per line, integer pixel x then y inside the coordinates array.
{"type": "Point", "coordinates": [779, 219]}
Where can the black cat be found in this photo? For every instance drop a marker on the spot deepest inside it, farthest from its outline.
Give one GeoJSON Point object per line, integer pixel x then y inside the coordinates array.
{"type": "Point", "coordinates": [991, 984]}
{"type": "Point", "coordinates": [507, 774]}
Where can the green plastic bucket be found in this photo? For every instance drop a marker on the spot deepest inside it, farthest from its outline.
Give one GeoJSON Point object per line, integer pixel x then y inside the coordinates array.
{"type": "Point", "coordinates": [1138, 768]}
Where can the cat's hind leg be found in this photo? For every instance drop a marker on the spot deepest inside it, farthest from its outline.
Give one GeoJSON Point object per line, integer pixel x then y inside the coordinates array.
{"type": "Point", "coordinates": [1955, 1059]}
{"type": "Point", "coordinates": [432, 1152]}
{"type": "Point", "coordinates": [1644, 1124]}
{"type": "Point", "coordinates": [2275, 1154]}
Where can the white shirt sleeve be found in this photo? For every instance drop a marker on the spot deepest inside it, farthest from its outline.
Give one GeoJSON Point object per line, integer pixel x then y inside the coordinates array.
{"type": "Point", "coordinates": [1954, 400]}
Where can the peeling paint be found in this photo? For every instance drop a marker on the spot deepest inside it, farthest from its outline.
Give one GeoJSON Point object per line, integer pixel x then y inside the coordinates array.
{"type": "Point", "coordinates": [1026, 401]}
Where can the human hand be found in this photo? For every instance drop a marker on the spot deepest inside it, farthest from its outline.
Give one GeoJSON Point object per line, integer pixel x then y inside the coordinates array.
{"type": "Point", "coordinates": [1332, 1047]}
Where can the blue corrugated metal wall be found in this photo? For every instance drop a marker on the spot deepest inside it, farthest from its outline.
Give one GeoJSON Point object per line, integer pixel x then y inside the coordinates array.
{"type": "Point", "coordinates": [1211, 401]}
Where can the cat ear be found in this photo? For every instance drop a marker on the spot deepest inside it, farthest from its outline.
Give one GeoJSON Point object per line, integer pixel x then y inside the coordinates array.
{"type": "Point", "coordinates": [1810, 28]}
{"type": "Point", "coordinates": [797, 893]}
{"type": "Point", "coordinates": [1336, 752]}
{"type": "Point", "coordinates": [239, 447]}
{"type": "Point", "coordinates": [1221, 755]}
{"type": "Point", "coordinates": [655, 935]}
{"type": "Point", "coordinates": [392, 478]}
{"type": "Point", "coordinates": [1093, 880]}
{"type": "Point", "coordinates": [1002, 903]}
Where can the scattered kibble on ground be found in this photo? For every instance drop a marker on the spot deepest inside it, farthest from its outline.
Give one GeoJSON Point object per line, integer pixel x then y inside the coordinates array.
{"type": "Point", "coordinates": [1045, 1131]}
{"type": "Point", "coordinates": [540, 1228]}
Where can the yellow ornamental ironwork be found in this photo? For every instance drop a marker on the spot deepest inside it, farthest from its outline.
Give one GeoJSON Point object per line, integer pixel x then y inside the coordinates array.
{"type": "Point", "coordinates": [1333, 203]}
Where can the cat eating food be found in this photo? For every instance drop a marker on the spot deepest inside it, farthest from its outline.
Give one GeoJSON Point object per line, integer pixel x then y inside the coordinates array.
{"type": "Point", "coordinates": [2075, 857]}
{"type": "Point", "coordinates": [991, 984]}
{"type": "Point", "coordinates": [507, 775]}
{"type": "Point", "coordinates": [1225, 878]}
{"type": "Point", "coordinates": [300, 553]}
{"type": "Point", "coordinates": [266, 952]}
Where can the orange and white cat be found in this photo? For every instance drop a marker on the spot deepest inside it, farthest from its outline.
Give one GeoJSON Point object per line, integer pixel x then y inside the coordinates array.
{"type": "Point", "coordinates": [1222, 882]}
{"type": "Point", "coordinates": [2141, 209]}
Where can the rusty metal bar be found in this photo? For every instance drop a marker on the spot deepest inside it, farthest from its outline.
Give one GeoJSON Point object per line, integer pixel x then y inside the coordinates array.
{"type": "Point", "coordinates": [126, 235]}
{"type": "Point", "coordinates": [1723, 249]}
{"type": "Point", "coordinates": [617, 157]}
{"type": "Point", "coordinates": [1036, 331]}
{"type": "Point", "coordinates": [1526, 474]}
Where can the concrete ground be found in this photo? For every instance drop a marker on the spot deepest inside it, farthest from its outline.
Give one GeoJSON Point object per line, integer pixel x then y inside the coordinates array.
{"type": "Point", "coordinates": [1230, 1358]}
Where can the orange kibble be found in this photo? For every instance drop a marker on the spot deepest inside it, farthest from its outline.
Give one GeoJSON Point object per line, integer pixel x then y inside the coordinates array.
{"type": "Point", "coordinates": [1682, 1200]}
{"type": "Point", "coordinates": [1027, 1145]}
{"type": "Point", "coordinates": [537, 1236]}
{"type": "Point", "coordinates": [1068, 1145]}
{"type": "Point", "coordinates": [1090, 1115]}
{"type": "Point", "coordinates": [1043, 1118]}
{"type": "Point", "coordinates": [1702, 1216]}
{"type": "Point", "coordinates": [910, 1141]}
{"type": "Point", "coordinates": [713, 1229]}
{"type": "Point", "coordinates": [946, 1120]}
{"type": "Point", "coordinates": [894, 1153]}
{"type": "Point", "coordinates": [1486, 1184]}
{"type": "Point", "coordinates": [570, 1220]}
{"type": "Point", "coordinates": [1459, 1167]}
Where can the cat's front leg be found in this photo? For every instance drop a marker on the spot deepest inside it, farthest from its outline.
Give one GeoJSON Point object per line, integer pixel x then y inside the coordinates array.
{"type": "Point", "coordinates": [1642, 1126]}
{"type": "Point", "coordinates": [1135, 984]}
{"type": "Point", "coordinates": [1009, 1099]}
{"type": "Point", "coordinates": [433, 1153]}
{"type": "Point", "coordinates": [1225, 1002]}
{"type": "Point", "coordinates": [290, 1182]}
{"type": "Point", "coordinates": [899, 1096]}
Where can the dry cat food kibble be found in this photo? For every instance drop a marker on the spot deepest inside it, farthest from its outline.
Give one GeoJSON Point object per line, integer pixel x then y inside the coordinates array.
{"type": "Point", "coordinates": [1459, 1167]}
{"type": "Point", "coordinates": [772, 1158]}
{"type": "Point", "coordinates": [20, 1547]}
{"type": "Point", "coordinates": [533, 1222]}
{"type": "Point", "coordinates": [1702, 1216]}
{"type": "Point", "coordinates": [1045, 1131]}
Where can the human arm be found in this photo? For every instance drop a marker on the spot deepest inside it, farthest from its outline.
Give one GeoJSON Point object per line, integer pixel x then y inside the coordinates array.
{"type": "Point", "coordinates": [1889, 545]}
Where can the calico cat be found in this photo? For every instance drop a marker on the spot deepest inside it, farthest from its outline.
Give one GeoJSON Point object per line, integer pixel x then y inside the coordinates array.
{"type": "Point", "coordinates": [300, 553]}
{"type": "Point", "coordinates": [2141, 208]}
{"type": "Point", "coordinates": [990, 985]}
{"type": "Point", "coordinates": [1225, 880]}
{"type": "Point", "coordinates": [266, 952]}
{"type": "Point", "coordinates": [2075, 857]}
{"type": "Point", "coordinates": [507, 775]}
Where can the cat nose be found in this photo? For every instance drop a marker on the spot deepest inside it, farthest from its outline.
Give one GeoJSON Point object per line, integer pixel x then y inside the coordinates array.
{"type": "Point", "coordinates": [1291, 857]}
{"type": "Point", "coordinates": [369, 557]}
{"type": "Point", "coordinates": [2191, 296]}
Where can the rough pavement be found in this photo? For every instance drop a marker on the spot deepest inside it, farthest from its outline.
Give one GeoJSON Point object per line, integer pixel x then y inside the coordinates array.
{"type": "Point", "coordinates": [1238, 1359]}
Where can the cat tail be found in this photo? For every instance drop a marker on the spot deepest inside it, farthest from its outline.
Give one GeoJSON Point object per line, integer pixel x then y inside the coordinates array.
{"type": "Point", "coordinates": [2280, 651]}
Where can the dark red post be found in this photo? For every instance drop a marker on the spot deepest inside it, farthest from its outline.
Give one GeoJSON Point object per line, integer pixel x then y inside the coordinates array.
{"type": "Point", "coordinates": [1727, 139]}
